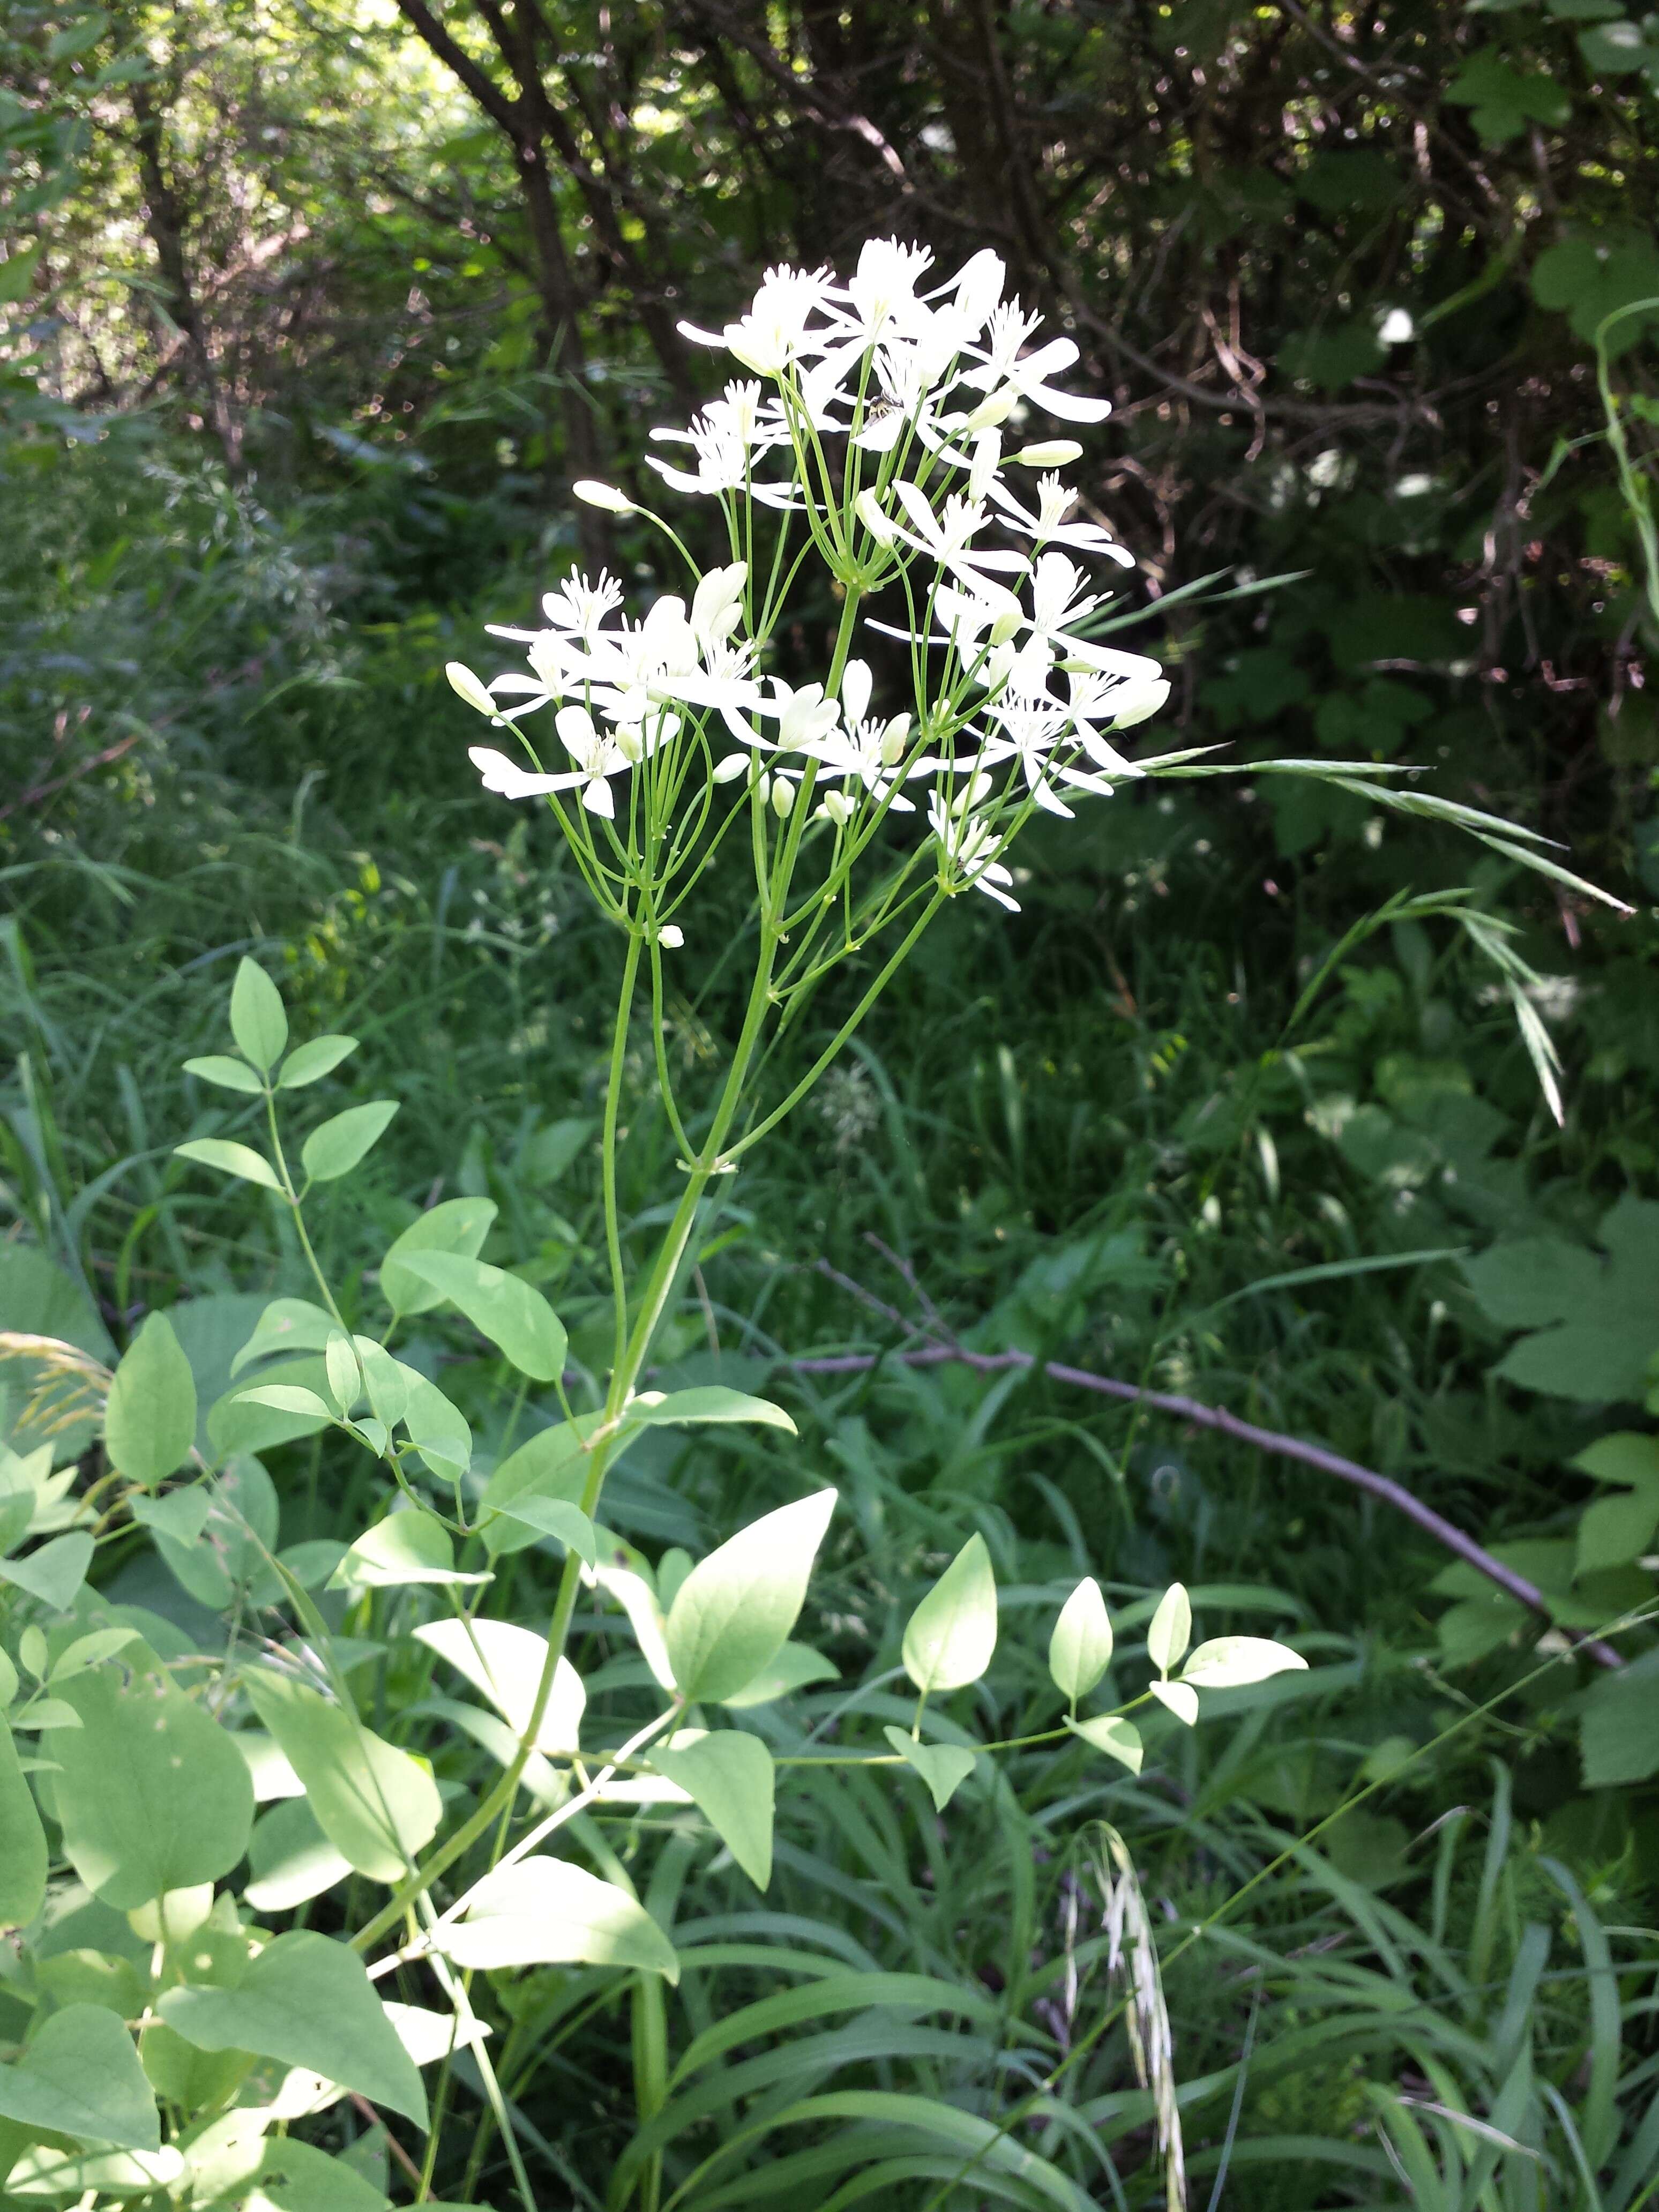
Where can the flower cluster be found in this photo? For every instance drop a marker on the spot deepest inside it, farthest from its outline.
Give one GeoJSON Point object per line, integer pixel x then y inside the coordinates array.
{"type": "Point", "coordinates": [884, 437]}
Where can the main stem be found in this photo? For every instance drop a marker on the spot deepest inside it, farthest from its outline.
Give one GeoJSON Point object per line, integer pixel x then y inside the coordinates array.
{"type": "Point", "coordinates": [634, 1344]}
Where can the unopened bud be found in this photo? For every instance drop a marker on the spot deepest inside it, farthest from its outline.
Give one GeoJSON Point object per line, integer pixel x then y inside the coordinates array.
{"type": "Point", "coordinates": [783, 798]}
{"type": "Point", "coordinates": [867, 508]}
{"type": "Point", "coordinates": [894, 739]}
{"type": "Point", "coordinates": [466, 686]}
{"type": "Point", "coordinates": [837, 807]}
{"type": "Point", "coordinates": [672, 937]}
{"type": "Point", "coordinates": [988, 453]}
{"type": "Point", "coordinates": [629, 742]}
{"type": "Point", "coordinates": [996, 407]}
{"type": "Point", "coordinates": [733, 765]}
{"type": "Point", "coordinates": [1056, 453]}
{"type": "Point", "coordinates": [593, 494]}
{"type": "Point", "coordinates": [1006, 625]}
{"type": "Point", "coordinates": [763, 785]}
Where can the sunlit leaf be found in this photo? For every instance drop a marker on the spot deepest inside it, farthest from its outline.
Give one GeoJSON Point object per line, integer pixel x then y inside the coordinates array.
{"type": "Point", "coordinates": [950, 1636]}
{"type": "Point", "coordinates": [545, 1912]}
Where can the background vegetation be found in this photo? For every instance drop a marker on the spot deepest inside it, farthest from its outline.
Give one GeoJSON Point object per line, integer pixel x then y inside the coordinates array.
{"type": "Point", "coordinates": [309, 314]}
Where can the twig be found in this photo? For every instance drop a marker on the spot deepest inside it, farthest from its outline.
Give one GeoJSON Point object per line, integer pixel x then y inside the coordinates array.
{"type": "Point", "coordinates": [392, 2144]}
{"type": "Point", "coordinates": [1227, 1424]}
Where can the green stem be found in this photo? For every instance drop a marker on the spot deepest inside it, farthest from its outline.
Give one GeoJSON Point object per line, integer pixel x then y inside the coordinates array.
{"type": "Point", "coordinates": [608, 1151]}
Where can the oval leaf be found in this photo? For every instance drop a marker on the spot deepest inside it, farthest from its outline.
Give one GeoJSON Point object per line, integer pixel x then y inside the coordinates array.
{"type": "Point", "coordinates": [258, 1020]}
{"type": "Point", "coordinates": [1080, 1648]}
{"type": "Point", "coordinates": [730, 1778]}
{"type": "Point", "coordinates": [335, 1147]}
{"type": "Point", "coordinates": [1232, 1663]}
{"type": "Point", "coordinates": [1171, 1629]}
{"type": "Point", "coordinates": [545, 1912]}
{"type": "Point", "coordinates": [459, 1225]}
{"type": "Point", "coordinates": [732, 1613]}
{"type": "Point", "coordinates": [306, 2001]}
{"type": "Point", "coordinates": [512, 1313]}
{"type": "Point", "coordinates": [952, 1633]}
{"type": "Point", "coordinates": [377, 1805]}
{"type": "Point", "coordinates": [412, 1547]}
{"type": "Point", "coordinates": [1118, 1739]}
{"type": "Point", "coordinates": [309, 1063]}
{"type": "Point", "coordinates": [505, 1663]}
{"type": "Point", "coordinates": [230, 1074]}
{"type": "Point", "coordinates": [230, 1159]}
{"type": "Point", "coordinates": [942, 1767]}
{"type": "Point", "coordinates": [152, 1793]}
{"type": "Point", "coordinates": [80, 2077]}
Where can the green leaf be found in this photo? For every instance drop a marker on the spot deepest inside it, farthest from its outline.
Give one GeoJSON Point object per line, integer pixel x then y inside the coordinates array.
{"type": "Point", "coordinates": [230, 1554]}
{"type": "Point", "coordinates": [54, 1573]}
{"type": "Point", "coordinates": [545, 1912]}
{"type": "Point", "coordinates": [505, 1663]}
{"type": "Point", "coordinates": [795, 1668]}
{"type": "Point", "coordinates": [436, 1428]}
{"type": "Point", "coordinates": [510, 1311]}
{"type": "Point", "coordinates": [1119, 1739]}
{"type": "Point", "coordinates": [459, 1225]}
{"type": "Point", "coordinates": [230, 1159]}
{"type": "Point", "coordinates": [1615, 1530]}
{"type": "Point", "coordinates": [309, 1063]}
{"type": "Point", "coordinates": [229, 1074]}
{"type": "Point", "coordinates": [411, 1546]}
{"type": "Point", "coordinates": [286, 1325]}
{"type": "Point", "coordinates": [258, 1020]}
{"type": "Point", "coordinates": [292, 1860]}
{"type": "Point", "coordinates": [1171, 1629]}
{"type": "Point", "coordinates": [733, 1611]}
{"type": "Point", "coordinates": [1503, 101]}
{"type": "Point", "coordinates": [1618, 1726]}
{"type": "Point", "coordinates": [17, 274]}
{"type": "Point", "coordinates": [942, 1767]}
{"type": "Point", "coordinates": [1626, 1457]}
{"type": "Point", "coordinates": [729, 1777]}
{"type": "Point", "coordinates": [306, 2000]}
{"type": "Point", "coordinates": [335, 1147]}
{"type": "Point", "coordinates": [952, 1635]}
{"type": "Point", "coordinates": [149, 1422]}
{"type": "Point", "coordinates": [557, 1517]}
{"type": "Point", "coordinates": [1594, 1322]}
{"type": "Point", "coordinates": [377, 1805]}
{"type": "Point", "coordinates": [22, 1841]}
{"type": "Point", "coordinates": [1617, 49]}
{"type": "Point", "coordinates": [1080, 1648]}
{"type": "Point", "coordinates": [80, 2076]}
{"type": "Point", "coordinates": [152, 1794]}
{"type": "Point", "coordinates": [182, 1513]}
{"type": "Point", "coordinates": [87, 1651]}
{"type": "Point", "coordinates": [297, 2176]}
{"type": "Point", "coordinates": [551, 1464]}
{"type": "Point", "coordinates": [1233, 1662]}
{"type": "Point", "coordinates": [78, 37]}
{"type": "Point", "coordinates": [651, 1409]}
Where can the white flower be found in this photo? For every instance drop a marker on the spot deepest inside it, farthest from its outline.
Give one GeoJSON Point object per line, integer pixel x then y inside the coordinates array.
{"type": "Point", "coordinates": [1006, 370]}
{"type": "Point", "coordinates": [773, 333]}
{"type": "Point", "coordinates": [1048, 526]}
{"type": "Point", "coordinates": [971, 846]}
{"type": "Point", "coordinates": [508, 779]}
{"type": "Point", "coordinates": [1031, 731]}
{"type": "Point", "coordinates": [597, 757]}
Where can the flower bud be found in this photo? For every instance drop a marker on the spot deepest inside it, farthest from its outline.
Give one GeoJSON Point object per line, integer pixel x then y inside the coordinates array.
{"type": "Point", "coordinates": [894, 740]}
{"type": "Point", "coordinates": [783, 798]}
{"type": "Point", "coordinates": [987, 455]}
{"type": "Point", "coordinates": [836, 807]}
{"type": "Point", "coordinates": [1006, 623]}
{"type": "Point", "coordinates": [732, 766]}
{"type": "Point", "coordinates": [466, 686]}
{"type": "Point", "coordinates": [671, 937]}
{"type": "Point", "coordinates": [996, 407]}
{"type": "Point", "coordinates": [593, 494]}
{"type": "Point", "coordinates": [867, 508]}
{"type": "Point", "coordinates": [631, 742]}
{"type": "Point", "coordinates": [763, 786]}
{"type": "Point", "coordinates": [1055, 453]}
